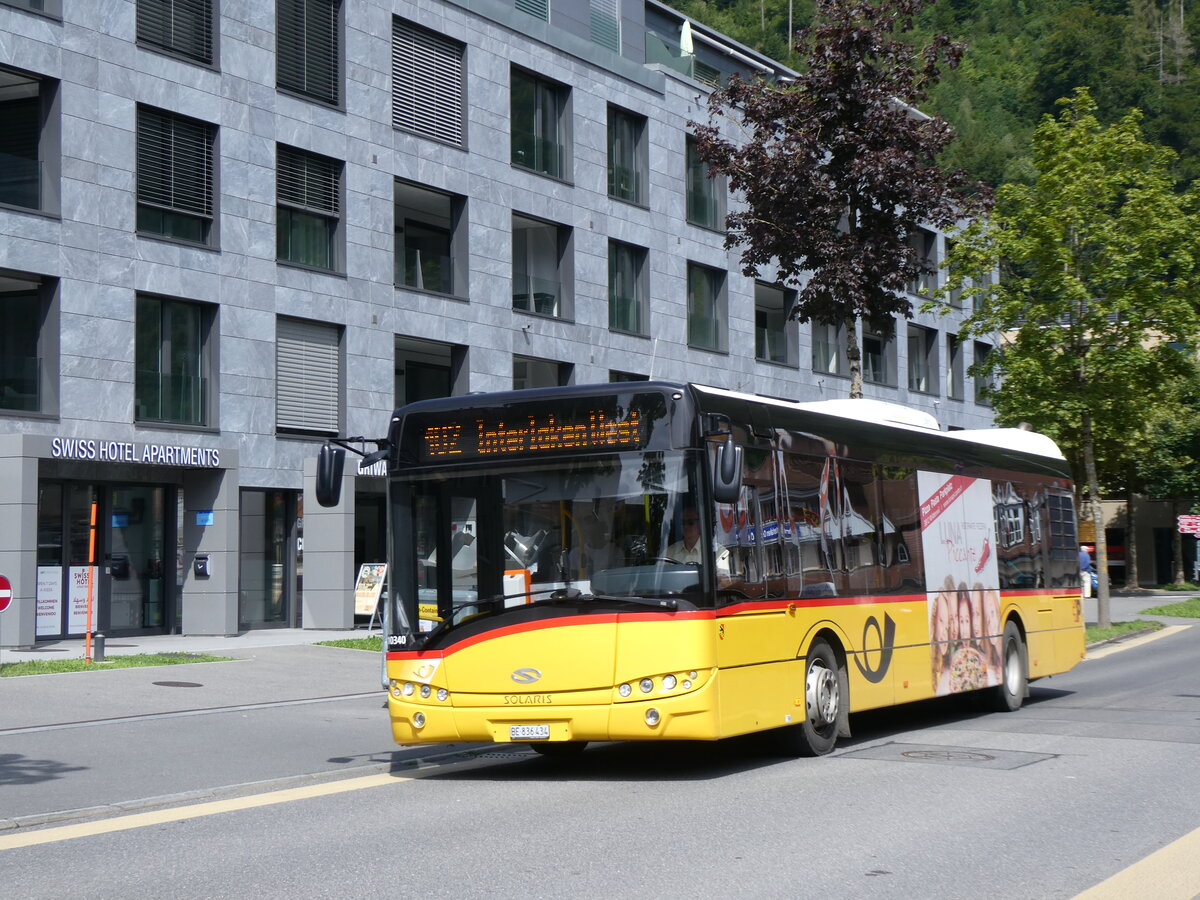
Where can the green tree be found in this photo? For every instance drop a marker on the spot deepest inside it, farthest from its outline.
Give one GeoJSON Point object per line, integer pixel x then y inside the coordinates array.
{"type": "Point", "coordinates": [1100, 271]}
{"type": "Point", "coordinates": [838, 170]}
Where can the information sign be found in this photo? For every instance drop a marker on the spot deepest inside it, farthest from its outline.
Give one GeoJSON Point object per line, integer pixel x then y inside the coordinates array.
{"type": "Point", "coordinates": [1189, 524]}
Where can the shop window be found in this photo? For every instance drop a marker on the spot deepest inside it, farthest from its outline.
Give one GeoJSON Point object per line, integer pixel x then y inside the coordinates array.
{"type": "Point", "coordinates": [308, 376]}
{"type": "Point", "coordinates": [308, 215]}
{"type": "Point", "coordinates": [172, 379]}
{"type": "Point", "coordinates": [429, 87]}
{"type": "Point", "coordinates": [174, 176]}
{"type": "Point", "coordinates": [628, 298]}
{"type": "Point", "coordinates": [539, 124]}
{"type": "Point", "coordinates": [183, 27]}
{"type": "Point", "coordinates": [308, 48]}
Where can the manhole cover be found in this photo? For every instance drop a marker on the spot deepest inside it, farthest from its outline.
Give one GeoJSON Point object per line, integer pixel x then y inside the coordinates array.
{"type": "Point", "coordinates": [948, 755]}
{"type": "Point", "coordinates": [178, 684]}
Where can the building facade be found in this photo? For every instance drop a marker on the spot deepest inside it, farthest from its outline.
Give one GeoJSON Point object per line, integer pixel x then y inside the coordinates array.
{"type": "Point", "coordinates": [231, 230]}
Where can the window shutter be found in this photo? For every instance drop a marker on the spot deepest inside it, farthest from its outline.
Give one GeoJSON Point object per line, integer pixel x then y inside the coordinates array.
{"type": "Point", "coordinates": [427, 83]}
{"type": "Point", "coordinates": [174, 163]}
{"type": "Point", "coordinates": [606, 24]}
{"type": "Point", "coordinates": [182, 26]}
{"type": "Point", "coordinates": [307, 51]}
{"type": "Point", "coordinates": [307, 181]}
{"type": "Point", "coordinates": [538, 8]}
{"type": "Point", "coordinates": [307, 376]}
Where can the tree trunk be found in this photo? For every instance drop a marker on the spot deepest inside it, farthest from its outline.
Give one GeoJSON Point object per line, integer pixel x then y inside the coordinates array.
{"type": "Point", "coordinates": [1103, 604]}
{"type": "Point", "coordinates": [1176, 543]}
{"type": "Point", "coordinates": [1131, 556]}
{"type": "Point", "coordinates": [854, 358]}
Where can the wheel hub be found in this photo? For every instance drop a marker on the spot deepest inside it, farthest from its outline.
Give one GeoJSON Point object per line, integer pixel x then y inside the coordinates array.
{"type": "Point", "coordinates": [821, 695]}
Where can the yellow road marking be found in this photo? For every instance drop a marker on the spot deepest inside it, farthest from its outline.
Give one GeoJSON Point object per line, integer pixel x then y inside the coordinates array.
{"type": "Point", "coordinates": [195, 811]}
{"type": "Point", "coordinates": [1108, 649]}
{"type": "Point", "coordinates": [1172, 873]}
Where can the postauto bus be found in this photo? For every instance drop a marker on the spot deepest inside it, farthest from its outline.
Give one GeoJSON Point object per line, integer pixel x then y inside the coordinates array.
{"type": "Point", "coordinates": [653, 560]}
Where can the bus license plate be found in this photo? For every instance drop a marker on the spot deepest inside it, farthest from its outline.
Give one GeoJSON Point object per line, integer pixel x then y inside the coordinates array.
{"type": "Point", "coordinates": [529, 732]}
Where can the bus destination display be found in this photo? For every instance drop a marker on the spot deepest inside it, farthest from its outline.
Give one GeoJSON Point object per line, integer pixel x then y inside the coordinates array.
{"type": "Point", "coordinates": [484, 434]}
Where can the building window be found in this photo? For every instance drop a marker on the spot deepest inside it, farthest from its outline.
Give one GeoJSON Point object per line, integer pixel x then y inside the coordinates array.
{"type": "Point", "coordinates": [529, 372]}
{"type": "Point", "coordinates": [618, 377]}
{"type": "Point", "coordinates": [171, 378]}
{"type": "Point", "coordinates": [308, 376]}
{"type": "Point", "coordinates": [308, 189]}
{"type": "Point", "coordinates": [922, 360]}
{"type": "Point", "coordinates": [430, 229]}
{"type": "Point", "coordinates": [308, 48]}
{"type": "Point", "coordinates": [627, 156]}
{"type": "Point", "coordinates": [954, 367]}
{"type": "Point", "coordinates": [177, 26]}
{"type": "Point", "coordinates": [606, 23]}
{"type": "Point", "coordinates": [49, 7]}
{"type": "Point", "coordinates": [627, 288]}
{"type": "Point", "coordinates": [924, 245]}
{"type": "Point", "coordinates": [538, 123]}
{"type": "Point", "coordinates": [984, 383]}
{"type": "Point", "coordinates": [174, 176]}
{"type": "Point", "coordinates": [429, 92]}
{"type": "Point", "coordinates": [539, 9]}
{"type": "Point", "coordinates": [28, 344]}
{"type": "Point", "coordinates": [705, 307]}
{"type": "Point", "coordinates": [774, 333]}
{"type": "Point", "coordinates": [541, 272]}
{"type": "Point", "coordinates": [426, 370]}
{"type": "Point", "coordinates": [29, 156]}
{"type": "Point", "coordinates": [705, 195]}
{"type": "Point", "coordinates": [828, 348]}
{"type": "Point", "coordinates": [878, 359]}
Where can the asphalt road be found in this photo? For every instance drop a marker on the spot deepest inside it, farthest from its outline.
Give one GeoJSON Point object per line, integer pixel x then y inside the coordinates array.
{"type": "Point", "coordinates": [934, 800]}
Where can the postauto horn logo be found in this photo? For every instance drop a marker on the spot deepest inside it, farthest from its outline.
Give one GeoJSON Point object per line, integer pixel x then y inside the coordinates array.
{"type": "Point", "coordinates": [526, 676]}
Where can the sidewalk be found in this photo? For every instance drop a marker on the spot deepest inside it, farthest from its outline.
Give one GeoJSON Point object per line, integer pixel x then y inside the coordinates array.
{"type": "Point", "coordinates": [217, 645]}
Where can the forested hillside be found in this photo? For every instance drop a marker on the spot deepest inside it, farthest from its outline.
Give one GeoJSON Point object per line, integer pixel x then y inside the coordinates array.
{"type": "Point", "coordinates": [1022, 55]}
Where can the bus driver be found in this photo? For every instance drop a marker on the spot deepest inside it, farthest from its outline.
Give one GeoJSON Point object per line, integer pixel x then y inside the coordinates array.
{"type": "Point", "coordinates": [688, 550]}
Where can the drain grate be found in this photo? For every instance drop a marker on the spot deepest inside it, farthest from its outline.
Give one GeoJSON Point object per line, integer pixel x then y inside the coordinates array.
{"type": "Point", "coordinates": [984, 758]}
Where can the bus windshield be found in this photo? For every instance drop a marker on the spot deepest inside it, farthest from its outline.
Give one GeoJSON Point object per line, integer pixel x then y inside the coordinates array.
{"type": "Point", "coordinates": [589, 531]}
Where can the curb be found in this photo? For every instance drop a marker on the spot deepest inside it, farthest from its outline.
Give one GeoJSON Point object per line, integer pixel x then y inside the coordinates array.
{"type": "Point", "coordinates": [1120, 638]}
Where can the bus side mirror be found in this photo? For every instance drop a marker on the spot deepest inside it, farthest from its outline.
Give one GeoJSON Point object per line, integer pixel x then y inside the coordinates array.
{"type": "Point", "coordinates": [727, 474]}
{"type": "Point", "coordinates": [330, 462]}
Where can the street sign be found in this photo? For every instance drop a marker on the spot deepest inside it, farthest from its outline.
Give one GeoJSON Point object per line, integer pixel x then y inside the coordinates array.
{"type": "Point", "coordinates": [1189, 524]}
{"type": "Point", "coordinates": [5, 593]}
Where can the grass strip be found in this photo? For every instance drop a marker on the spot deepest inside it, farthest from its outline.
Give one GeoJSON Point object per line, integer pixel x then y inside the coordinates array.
{"type": "Point", "coordinates": [1188, 609]}
{"type": "Point", "coordinates": [133, 661]}
{"type": "Point", "coordinates": [1095, 633]}
{"type": "Point", "coordinates": [369, 643]}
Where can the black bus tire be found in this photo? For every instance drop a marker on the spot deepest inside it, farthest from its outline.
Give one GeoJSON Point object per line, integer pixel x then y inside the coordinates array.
{"type": "Point", "coordinates": [1014, 676]}
{"type": "Point", "coordinates": [824, 695]}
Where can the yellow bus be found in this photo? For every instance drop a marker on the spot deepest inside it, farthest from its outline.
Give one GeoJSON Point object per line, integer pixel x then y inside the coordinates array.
{"type": "Point", "coordinates": [652, 560]}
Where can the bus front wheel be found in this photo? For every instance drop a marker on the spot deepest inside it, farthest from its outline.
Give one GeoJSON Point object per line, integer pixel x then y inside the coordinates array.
{"type": "Point", "coordinates": [1010, 693]}
{"type": "Point", "coordinates": [823, 699]}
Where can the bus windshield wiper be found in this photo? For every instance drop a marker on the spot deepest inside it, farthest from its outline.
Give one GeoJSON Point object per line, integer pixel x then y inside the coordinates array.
{"type": "Point", "coordinates": [653, 602]}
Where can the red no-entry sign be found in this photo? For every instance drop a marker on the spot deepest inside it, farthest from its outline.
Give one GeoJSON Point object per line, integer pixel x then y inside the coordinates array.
{"type": "Point", "coordinates": [5, 593]}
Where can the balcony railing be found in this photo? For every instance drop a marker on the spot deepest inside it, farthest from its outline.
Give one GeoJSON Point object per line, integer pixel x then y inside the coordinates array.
{"type": "Point", "coordinates": [538, 295]}
{"type": "Point", "coordinates": [180, 399]}
{"type": "Point", "coordinates": [20, 181]}
{"type": "Point", "coordinates": [425, 271]}
{"type": "Point", "coordinates": [19, 383]}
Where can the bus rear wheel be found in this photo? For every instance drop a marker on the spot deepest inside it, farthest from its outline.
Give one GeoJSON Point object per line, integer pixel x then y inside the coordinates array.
{"type": "Point", "coordinates": [824, 696]}
{"type": "Point", "coordinates": [1014, 679]}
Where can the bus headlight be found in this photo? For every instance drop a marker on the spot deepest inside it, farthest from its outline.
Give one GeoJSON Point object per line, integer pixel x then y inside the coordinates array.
{"type": "Point", "coordinates": [408, 689]}
{"type": "Point", "coordinates": [419, 720]}
{"type": "Point", "coordinates": [647, 685]}
{"type": "Point", "coordinates": [426, 690]}
{"type": "Point", "coordinates": [443, 694]}
{"type": "Point", "coordinates": [669, 682]}
{"type": "Point", "coordinates": [625, 690]}
{"type": "Point", "coordinates": [652, 717]}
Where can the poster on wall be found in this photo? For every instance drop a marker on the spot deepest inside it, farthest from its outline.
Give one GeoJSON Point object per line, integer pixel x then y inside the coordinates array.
{"type": "Point", "coordinates": [77, 597]}
{"type": "Point", "coordinates": [49, 600]}
{"type": "Point", "coordinates": [958, 537]}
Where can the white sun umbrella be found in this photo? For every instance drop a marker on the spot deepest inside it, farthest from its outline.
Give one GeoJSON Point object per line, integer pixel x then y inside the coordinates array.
{"type": "Point", "coordinates": [685, 39]}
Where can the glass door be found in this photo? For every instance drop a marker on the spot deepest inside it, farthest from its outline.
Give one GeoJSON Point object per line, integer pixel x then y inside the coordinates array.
{"type": "Point", "coordinates": [136, 559]}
